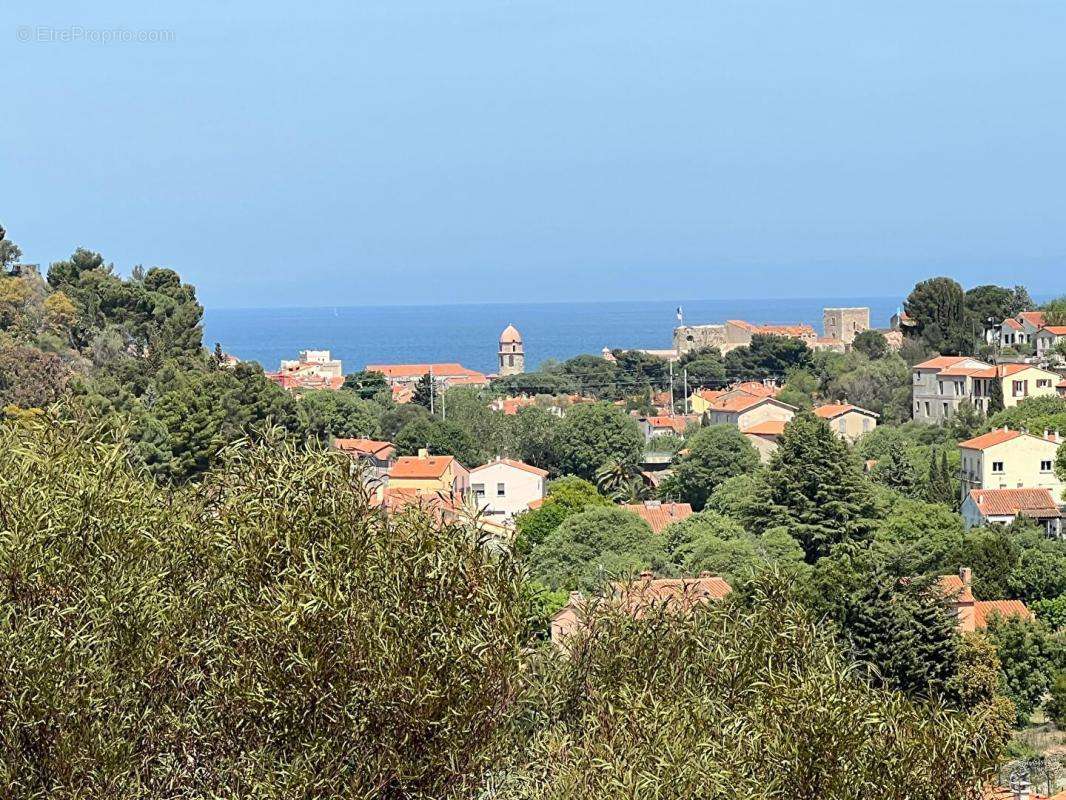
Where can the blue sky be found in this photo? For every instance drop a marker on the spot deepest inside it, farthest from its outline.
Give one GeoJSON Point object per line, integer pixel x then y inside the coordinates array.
{"type": "Point", "coordinates": [393, 151]}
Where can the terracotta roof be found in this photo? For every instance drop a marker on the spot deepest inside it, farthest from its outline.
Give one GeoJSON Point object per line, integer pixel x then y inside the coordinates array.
{"type": "Point", "coordinates": [710, 395]}
{"type": "Point", "coordinates": [534, 504]}
{"type": "Point", "coordinates": [510, 335]}
{"type": "Point", "coordinates": [738, 402]}
{"type": "Point", "coordinates": [961, 371]}
{"type": "Point", "coordinates": [1034, 318]}
{"type": "Point", "coordinates": [940, 362]}
{"type": "Point", "coordinates": [365, 447]}
{"type": "Point", "coordinates": [416, 467]}
{"type": "Point", "coordinates": [984, 610]}
{"type": "Point", "coordinates": [543, 473]}
{"type": "Point", "coordinates": [990, 439]}
{"type": "Point", "coordinates": [1011, 502]}
{"type": "Point", "coordinates": [677, 593]}
{"type": "Point", "coordinates": [1012, 323]}
{"type": "Point", "coordinates": [442, 370]}
{"type": "Point", "coordinates": [676, 424]}
{"type": "Point", "coordinates": [1057, 330]}
{"type": "Point", "coordinates": [831, 410]}
{"type": "Point", "coordinates": [659, 515]}
{"type": "Point", "coordinates": [769, 427]}
{"type": "Point", "coordinates": [755, 388]}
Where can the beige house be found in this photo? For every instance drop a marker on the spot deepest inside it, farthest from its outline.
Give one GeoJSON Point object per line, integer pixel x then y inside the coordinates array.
{"type": "Point", "coordinates": [847, 421]}
{"type": "Point", "coordinates": [505, 487]}
{"type": "Point", "coordinates": [765, 437]}
{"type": "Point", "coordinates": [744, 410]}
{"type": "Point", "coordinates": [426, 474]}
{"type": "Point", "coordinates": [974, 615]}
{"type": "Point", "coordinates": [940, 385]}
{"type": "Point", "coordinates": [1006, 459]}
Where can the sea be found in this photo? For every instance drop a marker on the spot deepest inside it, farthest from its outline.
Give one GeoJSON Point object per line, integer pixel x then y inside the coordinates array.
{"type": "Point", "coordinates": [468, 333]}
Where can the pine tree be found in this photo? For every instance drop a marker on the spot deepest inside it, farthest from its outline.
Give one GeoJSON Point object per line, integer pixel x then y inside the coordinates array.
{"type": "Point", "coordinates": [816, 490]}
{"type": "Point", "coordinates": [897, 472]}
{"type": "Point", "coordinates": [423, 395]}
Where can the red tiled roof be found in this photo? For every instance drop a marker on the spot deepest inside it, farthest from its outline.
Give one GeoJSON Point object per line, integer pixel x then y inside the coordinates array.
{"type": "Point", "coordinates": [1011, 502]}
{"type": "Point", "coordinates": [442, 370]}
{"type": "Point", "coordinates": [1034, 318]}
{"type": "Point", "coordinates": [676, 424]}
{"type": "Point", "coordinates": [984, 610]}
{"type": "Point", "coordinates": [543, 473]}
{"type": "Point", "coordinates": [659, 515]}
{"type": "Point", "coordinates": [710, 395]}
{"type": "Point", "coordinates": [831, 410]}
{"type": "Point", "coordinates": [769, 427]}
{"type": "Point", "coordinates": [677, 593]}
{"type": "Point", "coordinates": [737, 402]}
{"type": "Point", "coordinates": [990, 439]}
{"type": "Point", "coordinates": [940, 362]}
{"type": "Point", "coordinates": [1012, 323]}
{"type": "Point", "coordinates": [1057, 330]}
{"type": "Point", "coordinates": [1003, 370]}
{"type": "Point", "coordinates": [366, 447]}
{"type": "Point", "coordinates": [755, 388]}
{"type": "Point", "coordinates": [415, 467]}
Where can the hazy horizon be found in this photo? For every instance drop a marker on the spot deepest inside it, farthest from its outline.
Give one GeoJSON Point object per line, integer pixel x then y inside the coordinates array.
{"type": "Point", "coordinates": [410, 153]}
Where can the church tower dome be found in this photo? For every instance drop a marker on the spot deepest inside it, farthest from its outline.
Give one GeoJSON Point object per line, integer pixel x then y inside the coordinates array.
{"type": "Point", "coordinates": [512, 354]}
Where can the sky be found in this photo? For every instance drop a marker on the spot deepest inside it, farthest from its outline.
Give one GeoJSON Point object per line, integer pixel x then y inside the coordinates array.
{"type": "Point", "coordinates": [420, 151]}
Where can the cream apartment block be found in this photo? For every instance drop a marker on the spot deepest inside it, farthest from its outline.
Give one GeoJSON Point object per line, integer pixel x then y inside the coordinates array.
{"type": "Point", "coordinates": [744, 410]}
{"type": "Point", "coordinates": [940, 385]}
{"type": "Point", "coordinates": [1006, 459]}
{"type": "Point", "coordinates": [847, 421]}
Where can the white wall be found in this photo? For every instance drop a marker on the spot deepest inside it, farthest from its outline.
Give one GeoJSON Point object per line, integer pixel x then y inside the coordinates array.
{"type": "Point", "coordinates": [520, 487]}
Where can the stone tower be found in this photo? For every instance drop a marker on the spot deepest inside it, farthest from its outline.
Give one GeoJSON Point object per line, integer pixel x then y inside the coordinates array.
{"type": "Point", "coordinates": [844, 324]}
{"type": "Point", "coordinates": [512, 354]}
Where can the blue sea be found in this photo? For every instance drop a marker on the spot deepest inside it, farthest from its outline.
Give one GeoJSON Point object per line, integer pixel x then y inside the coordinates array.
{"type": "Point", "coordinates": [361, 335]}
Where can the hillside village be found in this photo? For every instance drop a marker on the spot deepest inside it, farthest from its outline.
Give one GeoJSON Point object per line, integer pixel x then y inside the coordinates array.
{"type": "Point", "coordinates": [894, 495]}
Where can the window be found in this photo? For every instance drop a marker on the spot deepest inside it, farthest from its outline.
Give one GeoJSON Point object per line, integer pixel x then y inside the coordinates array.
{"type": "Point", "coordinates": [510, 361]}
{"type": "Point", "coordinates": [866, 423]}
{"type": "Point", "coordinates": [997, 466]}
{"type": "Point", "coordinates": [1019, 388]}
{"type": "Point", "coordinates": [479, 489]}
{"type": "Point", "coordinates": [927, 408]}
{"type": "Point", "coordinates": [1045, 466]}
{"type": "Point", "coordinates": [501, 490]}
{"type": "Point", "coordinates": [1043, 383]}
{"type": "Point", "coordinates": [947, 413]}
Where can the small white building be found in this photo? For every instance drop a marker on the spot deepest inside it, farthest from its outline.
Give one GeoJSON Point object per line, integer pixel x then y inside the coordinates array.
{"type": "Point", "coordinates": [504, 487]}
{"type": "Point", "coordinates": [1048, 337]}
{"type": "Point", "coordinates": [1002, 506]}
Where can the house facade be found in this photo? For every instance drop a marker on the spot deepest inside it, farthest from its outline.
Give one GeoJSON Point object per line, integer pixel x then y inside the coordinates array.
{"type": "Point", "coordinates": [940, 385]}
{"type": "Point", "coordinates": [426, 474]}
{"type": "Point", "coordinates": [378, 456]}
{"type": "Point", "coordinates": [445, 375]}
{"type": "Point", "coordinates": [1020, 331]}
{"type": "Point", "coordinates": [1047, 338]}
{"type": "Point", "coordinates": [847, 421]}
{"type": "Point", "coordinates": [974, 615]}
{"type": "Point", "coordinates": [983, 507]}
{"type": "Point", "coordinates": [765, 437]}
{"type": "Point", "coordinates": [504, 487]}
{"type": "Point", "coordinates": [744, 410]}
{"type": "Point", "coordinates": [1006, 459]}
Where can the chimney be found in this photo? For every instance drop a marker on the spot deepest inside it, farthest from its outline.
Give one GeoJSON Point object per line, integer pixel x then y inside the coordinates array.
{"type": "Point", "coordinates": [966, 575]}
{"type": "Point", "coordinates": [647, 575]}
{"type": "Point", "coordinates": [706, 574]}
{"type": "Point", "coordinates": [423, 452]}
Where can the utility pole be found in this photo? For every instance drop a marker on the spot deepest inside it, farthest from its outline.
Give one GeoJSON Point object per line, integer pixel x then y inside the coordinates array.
{"type": "Point", "coordinates": [671, 388]}
{"type": "Point", "coordinates": [432, 389]}
{"type": "Point", "coordinates": [685, 373]}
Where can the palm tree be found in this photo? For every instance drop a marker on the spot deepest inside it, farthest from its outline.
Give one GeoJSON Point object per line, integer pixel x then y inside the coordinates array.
{"type": "Point", "coordinates": [621, 480]}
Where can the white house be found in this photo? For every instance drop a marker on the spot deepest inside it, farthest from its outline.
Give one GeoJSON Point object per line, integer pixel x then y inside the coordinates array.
{"type": "Point", "coordinates": [1002, 506]}
{"type": "Point", "coordinates": [1048, 337]}
{"type": "Point", "coordinates": [505, 487]}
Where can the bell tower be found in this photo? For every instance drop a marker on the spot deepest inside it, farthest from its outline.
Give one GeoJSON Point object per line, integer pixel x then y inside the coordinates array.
{"type": "Point", "coordinates": [512, 354]}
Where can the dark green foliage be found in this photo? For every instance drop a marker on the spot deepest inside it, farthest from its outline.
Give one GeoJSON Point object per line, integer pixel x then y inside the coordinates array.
{"type": "Point", "coordinates": [871, 344]}
{"type": "Point", "coordinates": [565, 497]}
{"type": "Point", "coordinates": [592, 434]}
{"type": "Point", "coordinates": [1055, 311]}
{"type": "Point", "coordinates": [995, 397]}
{"type": "Point", "coordinates": [1036, 414]}
{"type": "Point", "coordinates": [1030, 656]}
{"type": "Point", "coordinates": [704, 367]}
{"type": "Point", "coordinates": [425, 392]}
{"type": "Point", "coordinates": [594, 546]}
{"type": "Point", "coordinates": [938, 310]}
{"type": "Point", "coordinates": [896, 470]}
{"type": "Point", "coordinates": [265, 635]}
{"type": "Point", "coordinates": [1018, 562]}
{"type": "Point", "coordinates": [710, 542]}
{"type": "Point", "coordinates": [368, 385]}
{"type": "Point", "coordinates": [637, 371]}
{"type": "Point", "coordinates": [1051, 612]}
{"type": "Point", "coordinates": [468, 408]}
{"type": "Point", "coordinates": [715, 454]}
{"type": "Point", "coordinates": [328, 414]}
{"type": "Point", "coordinates": [816, 490]}
{"type": "Point", "coordinates": [441, 438]}
{"type": "Point", "coordinates": [939, 486]}
{"type": "Point", "coordinates": [534, 436]}
{"type": "Point", "coordinates": [393, 420]}
{"type": "Point", "coordinates": [916, 537]}
{"type": "Point", "coordinates": [1055, 708]}
{"type": "Point", "coordinates": [768, 356]}
{"type": "Point", "coordinates": [996, 303]}
{"type": "Point", "coordinates": [908, 632]}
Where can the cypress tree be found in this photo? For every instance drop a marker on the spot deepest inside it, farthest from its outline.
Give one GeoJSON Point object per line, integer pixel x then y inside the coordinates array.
{"type": "Point", "coordinates": [897, 472]}
{"type": "Point", "coordinates": [995, 395]}
{"type": "Point", "coordinates": [816, 489]}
